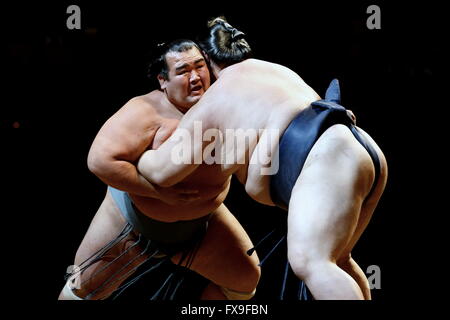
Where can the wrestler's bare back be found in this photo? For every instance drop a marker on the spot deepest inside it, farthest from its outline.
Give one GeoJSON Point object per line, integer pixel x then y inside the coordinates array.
{"type": "Point", "coordinates": [235, 101]}
{"type": "Point", "coordinates": [143, 123]}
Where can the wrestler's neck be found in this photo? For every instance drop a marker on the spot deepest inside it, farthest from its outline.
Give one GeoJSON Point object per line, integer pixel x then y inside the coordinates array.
{"type": "Point", "coordinates": [171, 106]}
{"type": "Point", "coordinates": [216, 69]}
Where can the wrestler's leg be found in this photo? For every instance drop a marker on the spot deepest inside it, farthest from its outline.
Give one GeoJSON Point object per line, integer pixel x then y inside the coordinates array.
{"type": "Point", "coordinates": [105, 226]}
{"type": "Point", "coordinates": [324, 211]}
{"type": "Point", "coordinates": [222, 257]}
{"type": "Point", "coordinates": [345, 261]}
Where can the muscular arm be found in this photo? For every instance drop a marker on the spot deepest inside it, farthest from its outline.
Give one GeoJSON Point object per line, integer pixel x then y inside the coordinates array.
{"type": "Point", "coordinates": [118, 145]}
{"type": "Point", "coordinates": [163, 166]}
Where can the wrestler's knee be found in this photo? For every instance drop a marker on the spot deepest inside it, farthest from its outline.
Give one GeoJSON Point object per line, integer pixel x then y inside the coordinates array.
{"type": "Point", "coordinates": [248, 275]}
{"type": "Point", "coordinates": [344, 260]}
{"type": "Point", "coordinates": [253, 276]}
{"type": "Point", "coordinates": [303, 261]}
{"type": "Point", "coordinates": [231, 294]}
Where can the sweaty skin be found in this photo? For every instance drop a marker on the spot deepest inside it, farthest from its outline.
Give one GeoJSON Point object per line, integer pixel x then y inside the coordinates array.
{"type": "Point", "coordinates": [243, 98]}
{"type": "Point", "coordinates": [142, 124]}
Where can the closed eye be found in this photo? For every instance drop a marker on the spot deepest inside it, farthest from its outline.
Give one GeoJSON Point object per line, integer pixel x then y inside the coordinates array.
{"type": "Point", "coordinates": [183, 71]}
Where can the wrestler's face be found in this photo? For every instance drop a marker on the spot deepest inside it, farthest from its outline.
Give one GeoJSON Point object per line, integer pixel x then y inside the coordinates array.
{"type": "Point", "coordinates": [188, 78]}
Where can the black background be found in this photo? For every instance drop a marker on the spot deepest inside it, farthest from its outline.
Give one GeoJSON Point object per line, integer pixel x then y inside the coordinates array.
{"type": "Point", "coordinates": [62, 85]}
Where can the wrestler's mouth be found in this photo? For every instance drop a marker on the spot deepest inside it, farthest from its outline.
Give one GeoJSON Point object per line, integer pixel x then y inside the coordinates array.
{"type": "Point", "coordinates": [197, 89]}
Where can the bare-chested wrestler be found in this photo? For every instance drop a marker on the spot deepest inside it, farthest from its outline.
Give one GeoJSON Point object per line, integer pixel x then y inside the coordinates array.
{"type": "Point", "coordinates": [186, 223]}
{"type": "Point", "coordinates": [325, 171]}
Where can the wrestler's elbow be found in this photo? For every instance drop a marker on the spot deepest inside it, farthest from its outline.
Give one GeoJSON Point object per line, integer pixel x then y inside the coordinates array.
{"type": "Point", "coordinates": [94, 162]}
{"type": "Point", "coordinates": [152, 169]}
{"type": "Point", "coordinates": [258, 193]}
{"type": "Point", "coordinates": [252, 189]}
{"type": "Point", "coordinates": [99, 163]}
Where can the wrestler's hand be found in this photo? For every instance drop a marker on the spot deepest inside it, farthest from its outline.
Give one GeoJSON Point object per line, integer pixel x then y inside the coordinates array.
{"type": "Point", "coordinates": [177, 195]}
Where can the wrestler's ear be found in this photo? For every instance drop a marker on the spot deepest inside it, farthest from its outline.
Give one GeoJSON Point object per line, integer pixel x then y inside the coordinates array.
{"type": "Point", "coordinates": [205, 55]}
{"type": "Point", "coordinates": [162, 81]}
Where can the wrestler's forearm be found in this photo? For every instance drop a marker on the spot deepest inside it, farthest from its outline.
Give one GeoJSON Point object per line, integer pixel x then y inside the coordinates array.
{"type": "Point", "coordinates": [165, 166]}
{"type": "Point", "coordinates": [160, 169]}
{"type": "Point", "coordinates": [150, 168]}
{"type": "Point", "coordinates": [124, 176]}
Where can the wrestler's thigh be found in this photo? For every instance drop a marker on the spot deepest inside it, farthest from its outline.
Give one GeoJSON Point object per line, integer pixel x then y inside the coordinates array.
{"type": "Point", "coordinates": [116, 264]}
{"type": "Point", "coordinates": [370, 203]}
{"type": "Point", "coordinates": [326, 200]}
{"type": "Point", "coordinates": [222, 256]}
{"type": "Point", "coordinates": [107, 223]}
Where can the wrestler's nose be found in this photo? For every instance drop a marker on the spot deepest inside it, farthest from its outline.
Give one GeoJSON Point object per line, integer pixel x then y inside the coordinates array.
{"type": "Point", "coordinates": [195, 77]}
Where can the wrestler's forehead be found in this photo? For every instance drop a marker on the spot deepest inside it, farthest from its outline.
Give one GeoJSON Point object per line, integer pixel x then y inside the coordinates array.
{"type": "Point", "coordinates": [177, 59]}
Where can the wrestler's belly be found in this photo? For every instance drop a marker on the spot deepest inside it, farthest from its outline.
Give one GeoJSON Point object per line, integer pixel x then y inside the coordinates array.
{"type": "Point", "coordinates": [213, 188]}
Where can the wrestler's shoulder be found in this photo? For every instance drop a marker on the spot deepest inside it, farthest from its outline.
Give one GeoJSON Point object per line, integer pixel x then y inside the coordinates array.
{"type": "Point", "coordinates": [136, 112]}
{"type": "Point", "coordinates": [253, 67]}
{"type": "Point", "coordinates": [243, 65]}
{"type": "Point", "coordinates": [252, 63]}
{"type": "Point", "coordinates": [149, 101]}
